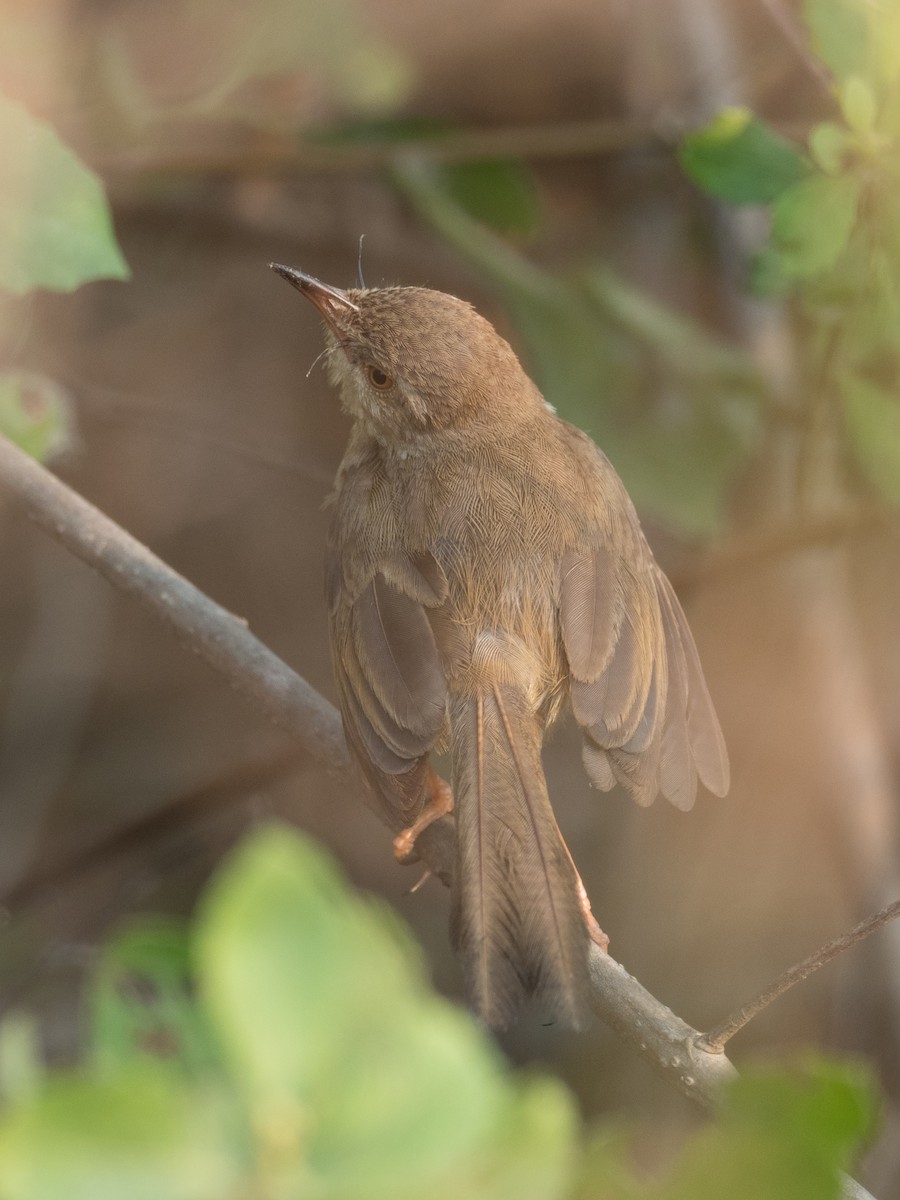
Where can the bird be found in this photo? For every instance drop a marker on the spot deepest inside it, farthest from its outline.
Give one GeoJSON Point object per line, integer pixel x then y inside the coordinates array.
{"type": "Point", "coordinates": [485, 569]}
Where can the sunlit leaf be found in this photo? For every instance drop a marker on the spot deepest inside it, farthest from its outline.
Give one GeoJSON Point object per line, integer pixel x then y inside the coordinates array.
{"type": "Point", "coordinates": [840, 35]}
{"type": "Point", "coordinates": [830, 144]}
{"type": "Point", "coordinates": [138, 1135]}
{"type": "Point", "coordinates": [55, 226]}
{"type": "Point", "coordinates": [812, 222]}
{"type": "Point", "coordinates": [21, 1069]}
{"type": "Point", "coordinates": [741, 159]}
{"type": "Point", "coordinates": [858, 104]}
{"type": "Point", "coordinates": [872, 420]}
{"type": "Point", "coordinates": [325, 1017]}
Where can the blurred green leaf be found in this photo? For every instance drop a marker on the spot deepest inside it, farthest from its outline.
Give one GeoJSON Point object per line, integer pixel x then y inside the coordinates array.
{"type": "Point", "coordinates": [840, 35]}
{"type": "Point", "coordinates": [139, 1135]}
{"type": "Point", "coordinates": [21, 1069]}
{"type": "Point", "coordinates": [830, 144]}
{"type": "Point", "coordinates": [781, 1134]}
{"type": "Point", "coordinates": [324, 1015]}
{"type": "Point", "coordinates": [142, 1004]}
{"type": "Point", "coordinates": [36, 414]}
{"type": "Point", "coordinates": [872, 420]}
{"type": "Point", "coordinates": [886, 45]}
{"type": "Point", "coordinates": [329, 44]}
{"type": "Point", "coordinates": [55, 226]}
{"type": "Point", "coordinates": [812, 222]}
{"type": "Point", "coordinates": [740, 159]}
{"type": "Point", "coordinates": [858, 104]}
{"type": "Point", "coordinates": [501, 194]}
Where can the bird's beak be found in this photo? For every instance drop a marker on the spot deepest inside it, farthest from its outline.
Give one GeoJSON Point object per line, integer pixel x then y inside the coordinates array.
{"type": "Point", "coordinates": [333, 303]}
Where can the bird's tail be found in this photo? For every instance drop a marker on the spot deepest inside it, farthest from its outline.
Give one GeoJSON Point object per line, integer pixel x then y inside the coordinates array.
{"type": "Point", "coordinates": [516, 917]}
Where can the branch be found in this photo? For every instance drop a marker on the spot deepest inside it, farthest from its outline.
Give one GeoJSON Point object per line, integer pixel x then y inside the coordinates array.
{"type": "Point", "coordinates": [718, 1036]}
{"type": "Point", "coordinates": [670, 1045]}
{"type": "Point", "coordinates": [274, 154]}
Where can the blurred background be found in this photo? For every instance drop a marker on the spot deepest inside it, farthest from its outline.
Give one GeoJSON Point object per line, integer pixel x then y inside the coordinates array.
{"type": "Point", "coordinates": [524, 156]}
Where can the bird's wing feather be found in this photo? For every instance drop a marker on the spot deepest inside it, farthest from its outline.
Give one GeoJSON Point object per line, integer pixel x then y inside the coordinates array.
{"type": "Point", "coordinates": [636, 684]}
{"type": "Point", "coordinates": [392, 685]}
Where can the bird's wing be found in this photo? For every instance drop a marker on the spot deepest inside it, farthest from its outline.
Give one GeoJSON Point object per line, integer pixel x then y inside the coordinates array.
{"type": "Point", "coordinates": [636, 684]}
{"type": "Point", "coordinates": [392, 687]}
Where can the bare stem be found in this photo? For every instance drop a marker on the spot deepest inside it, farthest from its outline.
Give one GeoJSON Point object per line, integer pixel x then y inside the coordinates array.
{"type": "Point", "coordinates": [716, 1038]}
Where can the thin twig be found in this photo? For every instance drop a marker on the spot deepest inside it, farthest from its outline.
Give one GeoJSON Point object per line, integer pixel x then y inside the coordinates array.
{"type": "Point", "coordinates": [670, 1045]}
{"type": "Point", "coordinates": [716, 1038]}
{"type": "Point", "coordinates": [793, 33]}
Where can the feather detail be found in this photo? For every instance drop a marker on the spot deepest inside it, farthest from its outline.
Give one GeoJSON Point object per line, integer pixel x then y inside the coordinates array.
{"type": "Point", "coordinates": [516, 918]}
{"type": "Point", "coordinates": [677, 774]}
{"type": "Point", "coordinates": [399, 796]}
{"type": "Point", "coordinates": [703, 729]}
{"type": "Point", "coordinates": [590, 610]}
{"type": "Point", "coordinates": [398, 656]}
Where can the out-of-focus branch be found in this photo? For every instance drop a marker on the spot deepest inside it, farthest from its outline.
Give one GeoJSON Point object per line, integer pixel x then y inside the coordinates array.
{"type": "Point", "coordinates": [795, 35]}
{"type": "Point", "coordinates": [674, 1048]}
{"type": "Point", "coordinates": [203, 152]}
{"type": "Point", "coordinates": [763, 545]}
{"type": "Point", "coordinates": [206, 628]}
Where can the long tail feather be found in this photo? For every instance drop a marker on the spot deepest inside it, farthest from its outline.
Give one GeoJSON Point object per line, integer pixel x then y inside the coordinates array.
{"type": "Point", "coordinates": [516, 917]}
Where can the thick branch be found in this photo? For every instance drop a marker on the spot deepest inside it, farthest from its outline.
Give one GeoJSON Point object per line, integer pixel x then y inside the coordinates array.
{"type": "Point", "coordinates": [674, 1048]}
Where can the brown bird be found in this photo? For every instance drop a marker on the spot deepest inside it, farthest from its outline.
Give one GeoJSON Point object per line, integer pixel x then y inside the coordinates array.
{"type": "Point", "coordinates": [485, 566]}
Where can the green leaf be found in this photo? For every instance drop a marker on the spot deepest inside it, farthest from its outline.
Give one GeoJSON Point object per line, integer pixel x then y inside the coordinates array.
{"type": "Point", "coordinates": [341, 1050]}
{"type": "Point", "coordinates": [36, 414]}
{"type": "Point", "coordinates": [885, 38]}
{"type": "Point", "coordinates": [55, 226]}
{"type": "Point", "coordinates": [502, 194]}
{"type": "Point", "coordinates": [858, 104]}
{"type": "Point", "coordinates": [780, 1134]}
{"type": "Point", "coordinates": [740, 159]}
{"type": "Point", "coordinates": [138, 1135]}
{"type": "Point", "coordinates": [872, 421]}
{"type": "Point", "coordinates": [812, 222]}
{"type": "Point", "coordinates": [841, 35]}
{"type": "Point", "coordinates": [141, 1001]}
{"type": "Point", "coordinates": [21, 1070]}
{"type": "Point", "coordinates": [830, 144]}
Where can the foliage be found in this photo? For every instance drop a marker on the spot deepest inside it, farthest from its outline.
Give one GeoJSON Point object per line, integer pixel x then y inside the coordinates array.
{"type": "Point", "coordinates": [35, 413]}
{"type": "Point", "coordinates": [287, 1045]}
{"type": "Point", "coordinates": [835, 230]}
{"type": "Point", "coordinates": [55, 227]}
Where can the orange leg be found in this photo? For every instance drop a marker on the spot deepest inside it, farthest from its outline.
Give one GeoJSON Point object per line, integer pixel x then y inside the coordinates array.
{"type": "Point", "coordinates": [439, 804]}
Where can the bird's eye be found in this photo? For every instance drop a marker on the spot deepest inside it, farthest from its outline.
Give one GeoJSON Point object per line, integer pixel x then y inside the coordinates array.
{"type": "Point", "coordinates": [380, 380]}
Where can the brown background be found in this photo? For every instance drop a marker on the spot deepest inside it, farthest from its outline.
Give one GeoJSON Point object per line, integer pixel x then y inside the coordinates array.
{"type": "Point", "coordinates": [201, 432]}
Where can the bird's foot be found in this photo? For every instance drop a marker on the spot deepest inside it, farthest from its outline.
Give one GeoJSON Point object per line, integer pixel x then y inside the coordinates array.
{"type": "Point", "coordinates": [439, 804]}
